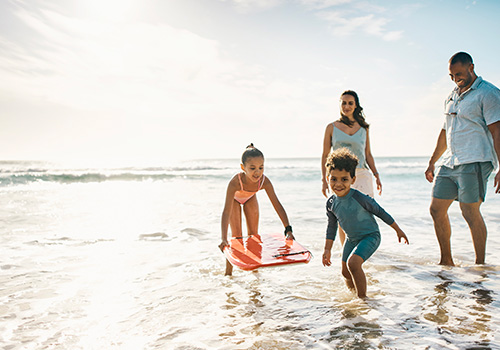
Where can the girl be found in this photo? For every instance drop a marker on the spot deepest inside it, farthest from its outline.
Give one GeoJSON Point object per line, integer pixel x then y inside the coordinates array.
{"type": "Point", "coordinates": [241, 192]}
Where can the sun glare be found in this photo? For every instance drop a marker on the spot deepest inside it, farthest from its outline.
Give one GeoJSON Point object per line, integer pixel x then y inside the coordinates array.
{"type": "Point", "coordinates": [108, 10]}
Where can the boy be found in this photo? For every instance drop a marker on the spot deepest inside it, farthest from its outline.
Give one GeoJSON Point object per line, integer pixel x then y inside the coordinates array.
{"type": "Point", "coordinates": [353, 211]}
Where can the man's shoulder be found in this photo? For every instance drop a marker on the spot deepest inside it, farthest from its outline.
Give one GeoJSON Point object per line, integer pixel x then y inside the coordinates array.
{"type": "Point", "coordinates": [487, 86]}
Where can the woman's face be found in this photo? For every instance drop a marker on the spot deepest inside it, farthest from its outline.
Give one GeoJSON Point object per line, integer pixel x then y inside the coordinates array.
{"type": "Point", "coordinates": [347, 105]}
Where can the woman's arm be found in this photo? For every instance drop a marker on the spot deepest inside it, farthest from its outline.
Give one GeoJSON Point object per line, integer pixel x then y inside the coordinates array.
{"type": "Point", "coordinates": [371, 163]}
{"type": "Point", "coordinates": [327, 146]}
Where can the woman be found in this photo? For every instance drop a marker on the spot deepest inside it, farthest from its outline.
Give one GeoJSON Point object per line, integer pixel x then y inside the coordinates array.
{"type": "Point", "coordinates": [351, 131]}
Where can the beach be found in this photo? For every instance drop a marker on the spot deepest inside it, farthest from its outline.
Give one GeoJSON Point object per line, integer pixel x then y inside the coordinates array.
{"type": "Point", "coordinates": [126, 257]}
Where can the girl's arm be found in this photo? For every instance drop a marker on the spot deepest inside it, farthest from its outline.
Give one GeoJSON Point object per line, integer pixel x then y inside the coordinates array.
{"type": "Point", "coordinates": [327, 146]}
{"type": "Point", "coordinates": [371, 163]}
{"type": "Point", "coordinates": [226, 213]}
{"type": "Point", "coordinates": [268, 186]}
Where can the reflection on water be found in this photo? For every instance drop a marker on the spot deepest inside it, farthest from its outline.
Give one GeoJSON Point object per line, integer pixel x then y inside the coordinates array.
{"type": "Point", "coordinates": [459, 308]}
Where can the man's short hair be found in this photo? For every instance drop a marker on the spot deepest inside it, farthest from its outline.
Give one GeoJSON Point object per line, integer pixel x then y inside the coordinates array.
{"type": "Point", "coordinates": [461, 57]}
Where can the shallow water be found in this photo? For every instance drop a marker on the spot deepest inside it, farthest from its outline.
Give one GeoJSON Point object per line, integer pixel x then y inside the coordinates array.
{"type": "Point", "coordinates": [127, 258]}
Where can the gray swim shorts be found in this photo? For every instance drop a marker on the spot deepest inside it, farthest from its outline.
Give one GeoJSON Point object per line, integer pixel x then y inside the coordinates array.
{"type": "Point", "coordinates": [465, 183]}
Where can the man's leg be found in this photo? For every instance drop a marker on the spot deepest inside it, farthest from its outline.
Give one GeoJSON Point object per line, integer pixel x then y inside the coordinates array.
{"type": "Point", "coordinates": [472, 214]}
{"type": "Point", "coordinates": [439, 213]}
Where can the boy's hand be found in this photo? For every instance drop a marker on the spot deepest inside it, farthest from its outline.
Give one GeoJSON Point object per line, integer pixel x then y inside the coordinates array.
{"type": "Point", "coordinates": [327, 254]}
{"type": "Point", "coordinates": [401, 235]}
{"type": "Point", "coordinates": [289, 236]}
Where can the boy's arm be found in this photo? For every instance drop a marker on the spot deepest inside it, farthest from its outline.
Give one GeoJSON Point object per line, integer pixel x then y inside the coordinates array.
{"type": "Point", "coordinates": [400, 233]}
{"type": "Point", "coordinates": [327, 254]}
{"type": "Point", "coordinates": [373, 207]}
{"type": "Point", "coordinates": [331, 232]}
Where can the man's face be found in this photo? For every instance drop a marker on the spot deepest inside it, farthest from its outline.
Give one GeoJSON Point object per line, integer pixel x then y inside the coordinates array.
{"type": "Point", "coordinates": [462, 74]}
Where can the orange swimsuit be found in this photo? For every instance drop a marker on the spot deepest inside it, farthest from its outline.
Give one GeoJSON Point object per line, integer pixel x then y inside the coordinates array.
{"type": "Point", "coordinates": [242, 196]}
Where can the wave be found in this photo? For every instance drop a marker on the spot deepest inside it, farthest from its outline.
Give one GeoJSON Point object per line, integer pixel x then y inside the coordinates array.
{"type": "Point", "coordinates": [68, 178]}
{"type": "Point", "coordinates": [296, 170]}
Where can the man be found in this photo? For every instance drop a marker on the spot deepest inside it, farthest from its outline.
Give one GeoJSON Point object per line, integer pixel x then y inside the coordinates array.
{"type": "Point", "coordinates": [470, 145]}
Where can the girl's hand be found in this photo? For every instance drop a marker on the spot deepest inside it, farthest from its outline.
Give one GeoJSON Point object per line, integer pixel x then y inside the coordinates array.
{"type": "Point", "coordinates": [222, 245]}
{"type": "Point", "coordinates": [401, 235]}
{"type": "Point", "coordinates": [289, 236]}
{"type": "Point", "coordinates": [327, 254]}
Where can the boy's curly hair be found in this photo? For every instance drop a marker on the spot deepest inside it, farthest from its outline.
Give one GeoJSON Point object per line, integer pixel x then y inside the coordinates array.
{"type": "Point", "coordinates": [342, 159]}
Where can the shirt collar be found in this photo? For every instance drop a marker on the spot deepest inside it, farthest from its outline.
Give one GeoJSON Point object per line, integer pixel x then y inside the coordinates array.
{"type": "Point", "coordinates": [474, 86]}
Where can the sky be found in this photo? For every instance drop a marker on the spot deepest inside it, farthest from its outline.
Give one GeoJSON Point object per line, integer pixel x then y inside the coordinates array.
{"type": "Point", "coordinates": [171, 80]}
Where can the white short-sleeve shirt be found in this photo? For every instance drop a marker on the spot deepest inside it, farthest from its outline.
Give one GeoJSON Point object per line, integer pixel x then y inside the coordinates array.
{"type": "Point", "coordinates": [467, 118]}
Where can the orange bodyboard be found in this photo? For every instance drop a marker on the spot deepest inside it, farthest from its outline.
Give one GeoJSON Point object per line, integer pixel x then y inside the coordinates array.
{"type": "Point", "coordinates": [254, 251]}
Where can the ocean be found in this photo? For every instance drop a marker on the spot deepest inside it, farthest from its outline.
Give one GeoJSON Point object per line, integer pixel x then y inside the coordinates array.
{"type": "Point", "coordinates": [126, 257]}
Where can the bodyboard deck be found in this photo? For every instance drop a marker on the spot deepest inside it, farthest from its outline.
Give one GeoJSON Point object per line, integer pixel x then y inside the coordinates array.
{"type": "Point", "coordinates": [254, 251]}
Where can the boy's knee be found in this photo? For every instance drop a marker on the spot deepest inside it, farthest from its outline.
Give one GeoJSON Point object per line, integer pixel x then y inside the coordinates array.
{"type": "Point", "coordinates": [354, 263]}
{"type": "Point", "coordinates": [346, 273]}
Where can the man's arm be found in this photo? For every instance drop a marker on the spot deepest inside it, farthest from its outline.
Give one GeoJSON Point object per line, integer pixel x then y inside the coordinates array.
{"type": "Point", "coordinates": [438, 152]}
{"type": "Point", "coordinates": [495, 133]}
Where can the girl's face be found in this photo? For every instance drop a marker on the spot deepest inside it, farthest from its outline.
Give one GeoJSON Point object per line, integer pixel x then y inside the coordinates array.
{"type": "Point", "coordinates": [341, 182]}
{"type": "Point", "coordinates": [347, 105]}
{"type": "Point", "coordinates": [253, 168]}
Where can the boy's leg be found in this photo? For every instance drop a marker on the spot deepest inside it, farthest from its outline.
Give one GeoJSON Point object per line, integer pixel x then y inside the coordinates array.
{"type": "Point", "coordinates": [355, 263]}
{"type": "Point", "coordinates": [341, 235]}
{"type": "Point", "coordinates": [472, 214]}
{"type": "Point", "coordinates": [347, 276]}
{"type": "Point", "coordinates": [439, 213]}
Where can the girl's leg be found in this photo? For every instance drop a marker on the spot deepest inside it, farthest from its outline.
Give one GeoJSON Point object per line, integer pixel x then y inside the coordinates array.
{"type": "Point", "coordinates": [354, 265]}
{"type": "Point", "coordinates": [235, 225]}
{"type": "Point", "coordinates": [251, 210]}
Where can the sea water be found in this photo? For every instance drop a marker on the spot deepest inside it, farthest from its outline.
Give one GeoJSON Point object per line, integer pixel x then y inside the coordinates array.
{"type": "Point", "coordinates": [126, 257]}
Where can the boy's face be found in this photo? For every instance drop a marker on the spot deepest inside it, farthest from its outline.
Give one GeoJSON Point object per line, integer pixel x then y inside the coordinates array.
{"type": "Point", "coordinates": [341, 182]}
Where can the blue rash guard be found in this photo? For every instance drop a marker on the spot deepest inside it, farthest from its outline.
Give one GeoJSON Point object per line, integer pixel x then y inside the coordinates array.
{"type": "Point", "coordinates": [355, 214]}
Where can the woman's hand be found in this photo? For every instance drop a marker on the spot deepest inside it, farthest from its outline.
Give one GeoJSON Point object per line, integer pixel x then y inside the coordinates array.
{"type": "Point", "coordinates": [379, 184]}
{"type": "Point", "coordinates": [325, 189]}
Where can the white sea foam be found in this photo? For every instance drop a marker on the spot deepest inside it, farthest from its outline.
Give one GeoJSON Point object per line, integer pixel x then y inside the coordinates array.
{"type": "Point", "coordinates": [131, 262]}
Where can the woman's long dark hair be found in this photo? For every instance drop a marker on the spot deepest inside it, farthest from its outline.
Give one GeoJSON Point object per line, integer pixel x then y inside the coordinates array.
{"type": "Point", "coordinates": [358, 114]}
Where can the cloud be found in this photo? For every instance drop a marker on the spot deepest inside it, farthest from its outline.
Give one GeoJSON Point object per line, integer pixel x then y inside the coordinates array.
{"type": "Point", "coordinates": [344, 24]}
{"type": "Point", "coordinates": [254, 5]}
{"type": "Point", "coordinates": [322, 4]}
{"type": "Point", "coordinates": [136, 87]}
